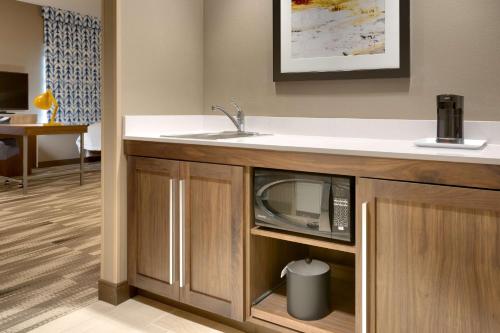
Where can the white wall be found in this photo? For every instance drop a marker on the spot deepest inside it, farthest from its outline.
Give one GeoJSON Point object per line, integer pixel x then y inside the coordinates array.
{"type": "Point", "coordinates": [85, 7]}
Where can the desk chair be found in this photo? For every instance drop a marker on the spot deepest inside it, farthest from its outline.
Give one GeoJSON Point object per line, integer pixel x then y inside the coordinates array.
{"type": "Point", "coordinates": [8, 149]}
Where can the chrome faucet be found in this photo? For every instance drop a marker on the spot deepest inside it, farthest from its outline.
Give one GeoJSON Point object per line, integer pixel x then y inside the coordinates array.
{"type": "Point", "coordinates": [238, 121]}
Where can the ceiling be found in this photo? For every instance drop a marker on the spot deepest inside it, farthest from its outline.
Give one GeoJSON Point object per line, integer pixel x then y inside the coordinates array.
{"type": "Point", "coordinates": [85, 7]}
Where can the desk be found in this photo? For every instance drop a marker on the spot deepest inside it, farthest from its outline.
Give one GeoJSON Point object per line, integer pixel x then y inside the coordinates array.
{"type": "Point", "coordinates": [21, 118]}
{"type": "Point", "coordinates": [32, 130]}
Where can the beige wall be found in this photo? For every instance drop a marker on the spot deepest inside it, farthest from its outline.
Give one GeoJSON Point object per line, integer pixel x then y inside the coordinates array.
{"type": "Point", "coordinates": [161, 56]}
{"type": "Point", "coordinates": [153, 64]}
{"type": "Point", "coordinates": [21, 40]}
{"type": "Point", "coordinates": [455, 48]}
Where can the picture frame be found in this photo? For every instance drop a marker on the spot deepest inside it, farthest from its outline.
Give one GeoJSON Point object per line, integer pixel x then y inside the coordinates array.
{"type": "Point", "coordinates": [297, 58]}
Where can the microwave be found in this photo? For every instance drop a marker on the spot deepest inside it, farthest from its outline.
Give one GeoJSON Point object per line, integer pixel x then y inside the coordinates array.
{"type": "Point", "coordinates": [313, 204]}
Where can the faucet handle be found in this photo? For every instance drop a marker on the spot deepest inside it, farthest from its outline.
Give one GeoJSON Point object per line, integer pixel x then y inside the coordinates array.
{"type": "Point", "coordinates": [235, 105]}
{"type": "Point", "coordinates": [240, 116]}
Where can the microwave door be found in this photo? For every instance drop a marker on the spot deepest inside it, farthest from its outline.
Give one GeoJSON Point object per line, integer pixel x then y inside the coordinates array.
{"type": "Point", "coordinates": [276, 200]}
{"type": "Point", "coordinates": [295, 203]}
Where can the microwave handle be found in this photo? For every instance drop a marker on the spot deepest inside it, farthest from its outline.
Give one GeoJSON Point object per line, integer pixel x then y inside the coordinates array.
{"type": "Point", "coordinates": [325, 219]}
{"type": "Point", "coordinates": [331, 205]}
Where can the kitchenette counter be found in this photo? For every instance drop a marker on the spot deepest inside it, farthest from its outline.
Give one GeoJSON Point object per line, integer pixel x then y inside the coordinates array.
{"type": "Point", "coordinates": [413, 206]}
{"type": "Point", "coordinates": [353, 137]}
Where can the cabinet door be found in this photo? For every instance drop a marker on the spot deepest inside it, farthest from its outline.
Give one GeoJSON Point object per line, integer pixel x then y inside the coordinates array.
{"type": "Point", "coordinates": [211, 238]}
{"type": "Point", "coordinates": [432, 258]}
{"type": "Point", "coordinates": [152, 225]}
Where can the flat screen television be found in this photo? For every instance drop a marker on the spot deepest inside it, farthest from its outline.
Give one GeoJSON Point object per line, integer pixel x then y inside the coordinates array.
{"type": "Point", "coordinates": [13, 91]}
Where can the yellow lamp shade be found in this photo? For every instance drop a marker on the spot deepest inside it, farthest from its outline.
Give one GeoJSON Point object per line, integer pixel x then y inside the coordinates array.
{"type": "Point", "coordinates": [45, 101]}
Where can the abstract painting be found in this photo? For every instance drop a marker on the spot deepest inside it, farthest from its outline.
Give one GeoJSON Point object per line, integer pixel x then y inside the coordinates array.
{"type": "Point", "coordinates": [325, 28]}
{"type": "Point", "coordinates": [330, 39]}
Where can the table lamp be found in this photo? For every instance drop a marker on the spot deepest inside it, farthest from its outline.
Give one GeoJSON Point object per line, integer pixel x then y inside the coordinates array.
{"type": "Point", "coordinates": [45, 101]}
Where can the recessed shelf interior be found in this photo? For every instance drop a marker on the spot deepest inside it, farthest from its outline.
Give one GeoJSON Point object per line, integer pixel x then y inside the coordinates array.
{"type": "Point", "coordinates": [341, 320]}
{"type": "Point", "coordinates": [269, 255]}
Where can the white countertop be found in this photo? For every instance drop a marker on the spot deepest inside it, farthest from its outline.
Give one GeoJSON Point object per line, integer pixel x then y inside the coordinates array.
{"type": "Point", "coordinates": [373, 138]}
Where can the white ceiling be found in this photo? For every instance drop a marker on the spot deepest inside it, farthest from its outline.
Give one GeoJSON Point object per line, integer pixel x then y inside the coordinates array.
{"type": "Point", "coordinates": [85, 7]}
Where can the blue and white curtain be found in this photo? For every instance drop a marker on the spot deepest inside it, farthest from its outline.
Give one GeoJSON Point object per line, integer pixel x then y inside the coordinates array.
{"type": "Point", "coordinates": [73, 64]}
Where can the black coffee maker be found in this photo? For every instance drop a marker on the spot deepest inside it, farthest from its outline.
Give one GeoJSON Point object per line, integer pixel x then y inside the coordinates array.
{"type": "Point", "coordinates": [450, 128]}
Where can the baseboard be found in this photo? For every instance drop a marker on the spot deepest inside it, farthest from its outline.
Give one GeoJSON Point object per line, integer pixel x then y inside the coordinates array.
{"type": "Point", "coordinates": [114, 293]}
{"type": "Point", "coordinates": [48, 164]}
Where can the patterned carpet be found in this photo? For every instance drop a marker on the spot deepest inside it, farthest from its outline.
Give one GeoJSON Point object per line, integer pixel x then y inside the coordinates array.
{"type": "Point", "coordinates": [49, 249]}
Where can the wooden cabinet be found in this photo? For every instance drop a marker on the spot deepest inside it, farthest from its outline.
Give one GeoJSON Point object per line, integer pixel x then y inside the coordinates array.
{"type": "Point", "coordinates": [213, 231]}
{"type": "Point", "coordinates": [186, 232]}
{"type": "Point", "coordinates": [430, 258]}
{"type": "Point", "coordinates": [426, 258]}
{"type": "Point", "coordinates": [152, 254]}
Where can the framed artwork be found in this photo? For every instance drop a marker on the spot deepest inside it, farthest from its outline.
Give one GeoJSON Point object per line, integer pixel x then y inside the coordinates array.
{"type": "Point", "coordinates": [341, 39]}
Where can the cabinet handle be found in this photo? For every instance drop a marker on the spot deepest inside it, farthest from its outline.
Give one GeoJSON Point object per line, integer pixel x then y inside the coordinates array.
{"type": "Point", "coordinates": [364, 267]}
{"type": "Point", "coordinates": [171, 233]}
{"type": "Point", "coordinates": [182, 218]}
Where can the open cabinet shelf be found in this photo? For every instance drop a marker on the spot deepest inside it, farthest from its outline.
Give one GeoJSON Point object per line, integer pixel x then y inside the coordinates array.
{"type": "Point", "coordinates": [271, 251]}
{"type": "Point", "coordinates": [341, 320]}
{"type": "Point", "coordinates": [307, 240]}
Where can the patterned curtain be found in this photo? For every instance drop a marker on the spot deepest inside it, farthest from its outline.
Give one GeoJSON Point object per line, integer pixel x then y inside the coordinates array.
{"type": "Point", "coordinates": [73, 64]}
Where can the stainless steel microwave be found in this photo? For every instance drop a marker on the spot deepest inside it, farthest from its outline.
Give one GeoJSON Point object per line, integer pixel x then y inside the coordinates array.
{"type": "Point", "coordinates": [313, 204]}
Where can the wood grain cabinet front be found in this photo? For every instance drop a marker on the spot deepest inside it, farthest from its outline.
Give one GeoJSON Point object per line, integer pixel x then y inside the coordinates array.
{"type": "Point", "coordinates": [212, 227]}
{"type": "Point", "coordinates": [203, 203]}
{"type": "Point", "coordinates": [152, 225]}
{"type": "Point", "coordinates": [430, 258]}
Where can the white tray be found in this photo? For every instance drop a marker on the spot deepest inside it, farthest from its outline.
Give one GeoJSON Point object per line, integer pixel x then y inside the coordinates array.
{"type": "Point", "coordinates": [468, 144]}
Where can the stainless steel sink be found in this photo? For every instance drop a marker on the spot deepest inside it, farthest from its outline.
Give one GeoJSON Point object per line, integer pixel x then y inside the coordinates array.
{"type": "Point", "coordinates": [215, 136]}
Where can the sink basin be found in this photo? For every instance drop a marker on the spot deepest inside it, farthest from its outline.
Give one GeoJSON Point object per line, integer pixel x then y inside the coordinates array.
{"type": "Point", "coordinates": [215, 136]}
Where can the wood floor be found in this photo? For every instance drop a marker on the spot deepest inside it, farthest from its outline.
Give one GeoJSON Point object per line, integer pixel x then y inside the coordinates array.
{"type": "Point", "coordinates": [49, 249]}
